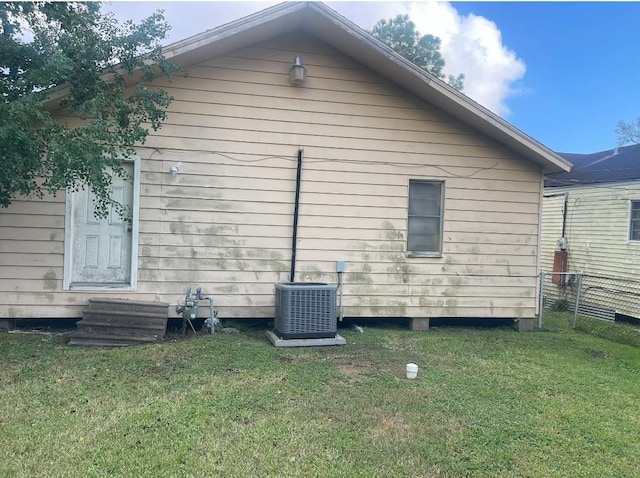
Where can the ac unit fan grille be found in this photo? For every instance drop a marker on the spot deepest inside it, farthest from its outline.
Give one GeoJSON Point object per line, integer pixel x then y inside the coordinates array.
{"type": "Point", "coordinates": [305, 310]}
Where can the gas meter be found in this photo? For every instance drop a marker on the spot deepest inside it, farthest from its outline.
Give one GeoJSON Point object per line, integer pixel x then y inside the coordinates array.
{"type": "Point", "coordinates": [189, 310]}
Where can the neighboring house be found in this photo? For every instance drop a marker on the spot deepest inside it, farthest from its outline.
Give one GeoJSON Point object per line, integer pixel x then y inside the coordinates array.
{"type": "Point", "coordinates": [432, 201]}
{"type": "Point", "coordinates": [596, 208]}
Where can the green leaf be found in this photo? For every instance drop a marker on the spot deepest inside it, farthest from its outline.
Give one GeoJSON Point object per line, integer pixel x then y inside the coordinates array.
{"type": "Point", "coordinates": [401, 35]}
{"type": "Point", "coordinates": [44, 45]}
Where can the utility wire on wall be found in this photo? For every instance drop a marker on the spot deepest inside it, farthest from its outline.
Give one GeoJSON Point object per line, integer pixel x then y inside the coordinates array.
{"type": "Point", "coordinates": [478, 170]}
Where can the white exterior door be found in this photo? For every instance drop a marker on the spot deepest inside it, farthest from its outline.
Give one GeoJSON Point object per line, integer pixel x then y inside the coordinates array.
{"type": "Point", "coordinates": [100, 250]}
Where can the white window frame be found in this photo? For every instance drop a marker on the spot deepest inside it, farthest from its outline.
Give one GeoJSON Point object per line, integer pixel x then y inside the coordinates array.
{"type": "Point", "coordinates": [435, 253]}
{"type": "Point", "coordinates": [631, 220]}
{"type": "Point", "coordinates": [135, 219]}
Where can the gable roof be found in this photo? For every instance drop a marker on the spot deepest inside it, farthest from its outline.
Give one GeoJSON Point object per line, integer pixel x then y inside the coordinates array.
{"type": "Point", "coordinates": [345, 36]}
{"type": "Point", "coordinates": [619, 164]}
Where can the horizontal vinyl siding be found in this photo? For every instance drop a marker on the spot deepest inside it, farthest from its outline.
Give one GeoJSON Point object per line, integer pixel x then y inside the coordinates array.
{"type": "Point", "coordinates": [31, 258]}
{"type": "Point", "coordinates": [552, 209]}
{"type": "Point", "coordinates": [598, 244]}
{"type": "Point", "coordinates": [225, 222]}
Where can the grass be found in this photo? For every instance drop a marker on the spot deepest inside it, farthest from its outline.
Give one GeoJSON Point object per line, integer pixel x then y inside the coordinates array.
{"type": "Point", "coordinates": [487, 402]}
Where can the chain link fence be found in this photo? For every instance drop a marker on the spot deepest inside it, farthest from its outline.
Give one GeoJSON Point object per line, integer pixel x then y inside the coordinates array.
{"type": "Point", "coordinates": [595, 296]}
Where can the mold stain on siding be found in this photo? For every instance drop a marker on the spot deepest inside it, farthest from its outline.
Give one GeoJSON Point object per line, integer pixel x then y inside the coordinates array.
{"type": "Point", "coordinates": [363, 276]}
{"type": "Point", "coordinates": [50, 282]}
{"type": "Point", "coordinates": [391, 246]}
{"type": "Point", "coordinates": [433, 280]}
{"type": "Point", "coordinates": [456, 281]}
{"type": "Point", "coordinates": [505, 261]}
{"type": "Point", "coordinates": [374, 304]}
{"type": "Point", "coordinates": [310, 273]}
{"type": "Point", "coordinates": [205, 193]}
{"type": "Point", "coordinates": [275, 266]}
{"type": "Point", "coordinates": [221, 230]}
{"type": "Point", "coordinates": [401, 307]}
{"type": "Point", "coordinates": [179, 228]}
{"type": "Point", "coordinates": [450, 306]}
{"type": "Point", "coordinates": [391, 233]}
{"type": "Point", "coordinates": [469, 269]}
{"type": "Point", "coordinates": [228, 289]}
{"type": "Point", "coordinates": [519, 310]}
{"type": "Point", "coordinates": [400, 272]}
{"type": "Point", "coordinates": [268, 259]}
{"type": "Point", "coordinates": [48, 297]}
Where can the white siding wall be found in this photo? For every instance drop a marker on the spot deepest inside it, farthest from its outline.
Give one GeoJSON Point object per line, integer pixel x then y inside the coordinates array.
{"type": "Point", "coordinates": [225, 222]}
{"type": "Point", "coordinates": [598, 236]}
{"type": "Point", "coordinates": [552, 209]}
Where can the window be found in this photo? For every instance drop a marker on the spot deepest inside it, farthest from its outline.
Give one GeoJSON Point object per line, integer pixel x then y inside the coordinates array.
{"type": "Point", "coordinates": [634, 222]}
{"type": "Point", "coordinates": [424, 230]}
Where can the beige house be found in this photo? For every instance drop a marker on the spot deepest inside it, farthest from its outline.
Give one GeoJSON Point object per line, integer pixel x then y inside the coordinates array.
{"type": "Point", "coordinates": [432, 201]}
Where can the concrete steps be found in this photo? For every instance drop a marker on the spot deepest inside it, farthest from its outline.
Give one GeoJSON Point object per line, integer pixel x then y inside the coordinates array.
{"type": "Point", "coordinates": [121, 322]}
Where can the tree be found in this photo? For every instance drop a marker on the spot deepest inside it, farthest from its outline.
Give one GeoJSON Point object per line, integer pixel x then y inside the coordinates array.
{"type": "Point", "coordinates": [85, 57]}
{"type": "Point", "coordinates": [628, 132]}
{"type": "Point", "coordinates": [400, 34]}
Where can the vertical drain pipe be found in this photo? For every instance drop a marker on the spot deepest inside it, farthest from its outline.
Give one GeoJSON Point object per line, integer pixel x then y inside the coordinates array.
{"type": "Point", "coordinates": [294, 238]}
{"type": "Point", "coordinates": [564, 214]}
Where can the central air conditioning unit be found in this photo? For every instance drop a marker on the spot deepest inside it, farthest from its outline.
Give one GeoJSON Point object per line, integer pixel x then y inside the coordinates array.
{"type": "Point", "coordinates": [305, 310]}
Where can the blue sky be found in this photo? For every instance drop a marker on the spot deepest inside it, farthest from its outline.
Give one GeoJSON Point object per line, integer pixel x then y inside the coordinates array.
{"type": "Point", "coordinates": [583, 68]}
{"type": "Point", "coordinates": [564, 73]}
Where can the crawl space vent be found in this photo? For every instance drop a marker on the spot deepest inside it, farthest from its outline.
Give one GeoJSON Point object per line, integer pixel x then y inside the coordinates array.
{"type": "Point", "coordinates": [305, 310]}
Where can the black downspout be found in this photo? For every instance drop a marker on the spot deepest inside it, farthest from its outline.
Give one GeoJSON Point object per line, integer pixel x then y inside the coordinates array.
{"type": "Point", "coordinates": [294, 238]}
{"type": "Point", "coordinates": [564, 209]}
{"type": "Point", "coordinates": [564, 214]}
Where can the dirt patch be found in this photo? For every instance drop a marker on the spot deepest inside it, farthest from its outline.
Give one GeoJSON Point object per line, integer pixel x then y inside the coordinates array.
{"type": "Point", "coordinates": [285, 359]}
{"type": "Point", "coordinates": [353, 374]}
{"type": "Point", "coordinates": [595, 354]}
{"type": "Point", "coordinates": [54, 333]}
{"type": "Point", "coordinates": [355, 369]}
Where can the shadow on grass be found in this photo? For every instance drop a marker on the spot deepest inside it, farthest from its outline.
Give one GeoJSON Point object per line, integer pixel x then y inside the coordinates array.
{"type": "Point", "coordinates": [622, 332]}
{"type": "Point", "coordinates": [625, 330]}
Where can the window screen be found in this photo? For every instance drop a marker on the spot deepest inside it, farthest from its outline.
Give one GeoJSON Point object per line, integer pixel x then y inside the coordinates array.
{"type": "Point", "coordinates": [634, 224]}
{"type": "Point", "coordinates": [424, 233]}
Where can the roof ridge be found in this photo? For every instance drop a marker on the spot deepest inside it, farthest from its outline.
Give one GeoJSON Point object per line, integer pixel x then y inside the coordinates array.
{"type": "Point", "coordinates": [330, 27]}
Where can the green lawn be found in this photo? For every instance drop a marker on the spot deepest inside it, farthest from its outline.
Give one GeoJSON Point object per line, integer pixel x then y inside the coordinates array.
{"type": "Point", "coordinates": [487, 402]}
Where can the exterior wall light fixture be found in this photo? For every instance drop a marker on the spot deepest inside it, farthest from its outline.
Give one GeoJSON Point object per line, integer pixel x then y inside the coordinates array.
{"type": "Point", "coordinates": [174, 171]}
{"type": "Point", "coordinates": [297, 73]}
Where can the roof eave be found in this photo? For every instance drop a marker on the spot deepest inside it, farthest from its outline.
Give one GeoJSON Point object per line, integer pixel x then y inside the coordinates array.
{"type": "Point", "coordinates": [334, 29]}
{"type": "Point", "coordinates": [260, 26]}
{"type": "Point", "coordinates": [231, 36]}
{"type": "Point", "coordinates": [356, 42]}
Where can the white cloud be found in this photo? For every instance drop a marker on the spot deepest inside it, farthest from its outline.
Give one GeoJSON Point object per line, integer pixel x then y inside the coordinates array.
{"type": "Point", "coordinates": [472, 45]}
